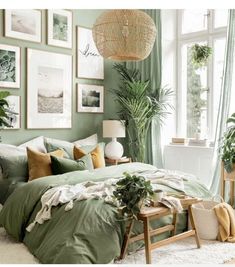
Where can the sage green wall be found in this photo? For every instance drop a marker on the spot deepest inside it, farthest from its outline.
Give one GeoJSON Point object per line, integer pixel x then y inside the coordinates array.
{"type": "Point", "coordinates": [83, 124]}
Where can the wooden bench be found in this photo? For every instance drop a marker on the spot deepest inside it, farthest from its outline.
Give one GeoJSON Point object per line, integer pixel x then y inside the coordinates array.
{"type": "Point", "coordinates": [152, 213]}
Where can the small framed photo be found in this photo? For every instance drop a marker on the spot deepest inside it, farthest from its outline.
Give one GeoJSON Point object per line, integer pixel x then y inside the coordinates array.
{"type": "Point", "coordinates": [49, 90]}
{"type": "Point", "coordinates": [14, 112]}
{"type": "Point", "coordinates": [60, 27]}
{"type": "Point", "coordinates": [90, 98]}
{"type": "Point", "coordinates": [23, 24]}
{"type": "Point", "coordinates": [90, 64]}
{"type": "Point", "coordinates": [9, 66]}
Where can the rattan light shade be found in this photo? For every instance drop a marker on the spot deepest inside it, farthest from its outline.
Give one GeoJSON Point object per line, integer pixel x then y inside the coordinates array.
{"type": "Point", "coordinates": [124, 34]}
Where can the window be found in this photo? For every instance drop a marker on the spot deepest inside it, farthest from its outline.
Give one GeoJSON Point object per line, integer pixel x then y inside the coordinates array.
{"type": "Point", "coordinates": [199, 87]}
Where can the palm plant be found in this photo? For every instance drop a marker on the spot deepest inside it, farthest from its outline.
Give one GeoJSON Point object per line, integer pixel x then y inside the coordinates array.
{"type": "Point", "coordinates": [138, 106]}
{"type": "Point", "coordinates": [4, 110]}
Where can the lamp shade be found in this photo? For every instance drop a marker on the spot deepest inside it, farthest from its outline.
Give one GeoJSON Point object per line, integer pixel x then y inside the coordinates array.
{"type": "Point", "coordinates": [113, 128]}
{"type": "Point", "coordinates": [124, 34]}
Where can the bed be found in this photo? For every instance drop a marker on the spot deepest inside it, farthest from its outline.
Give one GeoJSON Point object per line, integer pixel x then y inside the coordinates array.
{"type": "Point", "coordinates": [91, 232]}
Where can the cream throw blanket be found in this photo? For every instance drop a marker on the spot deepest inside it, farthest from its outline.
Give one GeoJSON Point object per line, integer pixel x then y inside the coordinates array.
{"type": "Point", "coordinates": [226, 219]}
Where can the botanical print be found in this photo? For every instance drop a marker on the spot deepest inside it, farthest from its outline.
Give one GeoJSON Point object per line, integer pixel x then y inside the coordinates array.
{"type": "Point", "coordinates": [23, 21]}
{"type": "Point", "coordinates": [90, 98]}
{"type": "Point", "coordinates": [60, 27]}
{"type": "Point", "coordinates": [14, 112]}
{"type": "Point", "coordinates": [90, 62]}
{"type": "Point", "coordinates": [23, 24]}
{"type": "Point", "coordinates": [50, 90]}
{"type": "Point", "coordinates": [7, 66]}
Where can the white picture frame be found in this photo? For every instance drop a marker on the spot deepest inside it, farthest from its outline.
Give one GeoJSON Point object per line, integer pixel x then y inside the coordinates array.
{"type": "Point", "coordinates": [14, 115]}
{"type": "Point", "coordinates": [90, 98]}
{"type": "Point", "coordinates": [90, 64]}
{"type": "Point", "coordinates": [49, 89]}
{"type": "Point", "coordinates": [60, 28]}
{"type": "Point", "coordinates": [9, 66]}
{"type": "Point", "coordinates": [23, 24]}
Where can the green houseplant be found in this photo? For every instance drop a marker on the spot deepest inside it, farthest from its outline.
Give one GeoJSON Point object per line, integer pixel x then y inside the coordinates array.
{"type": "Point", "coordinates": [228, 146]}
{"type": "Point", "coordinates": [138, 106]}
{"type": "Point", "coordinates": [131, 192]}
{"type": "Point", "coordinates": [200, 54]}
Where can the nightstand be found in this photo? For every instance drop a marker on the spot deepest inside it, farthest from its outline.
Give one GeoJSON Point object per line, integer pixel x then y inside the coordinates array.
{"type": "Point", "coordinates": [117, 161]}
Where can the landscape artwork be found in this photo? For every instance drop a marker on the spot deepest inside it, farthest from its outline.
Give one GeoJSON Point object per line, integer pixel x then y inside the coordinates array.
{"type": "Point", "coordinates": [9, 66]}
{"type": "Point", "coordinates": [14, 112]}
{"type": "Point", "coordinates": [60, 28]}
{"type": "Point", "coordinates": [90, 98]}
{"type": "Point", "coordinates": [88, 55]}
{"type": "Point", "coordinates": [49, 89]}
{"type": "Point", "coordinates": [23, 24]}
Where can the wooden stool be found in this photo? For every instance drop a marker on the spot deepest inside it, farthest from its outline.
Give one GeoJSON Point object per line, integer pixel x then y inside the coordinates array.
{"type": "Point", "coordinates": [150, 213]}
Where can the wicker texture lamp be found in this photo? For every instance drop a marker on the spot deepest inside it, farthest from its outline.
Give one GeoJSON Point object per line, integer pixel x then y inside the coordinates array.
{"type": "Point", "coordinates": [124, 34]}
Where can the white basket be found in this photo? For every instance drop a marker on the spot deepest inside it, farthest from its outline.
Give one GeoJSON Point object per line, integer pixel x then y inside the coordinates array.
{"type": "Point", "coordinates": [205, 219]}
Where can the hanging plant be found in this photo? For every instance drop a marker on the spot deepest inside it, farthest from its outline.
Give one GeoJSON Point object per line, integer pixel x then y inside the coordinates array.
{"type": "Point", "coordinates": [200, 54]}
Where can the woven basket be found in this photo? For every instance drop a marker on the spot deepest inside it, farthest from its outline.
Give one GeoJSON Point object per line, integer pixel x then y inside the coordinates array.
{"type": "Point", "coordinates": [205, 218]}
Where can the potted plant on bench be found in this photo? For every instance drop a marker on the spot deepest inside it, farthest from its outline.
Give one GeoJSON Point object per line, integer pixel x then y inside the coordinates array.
{"type": "Point", "coordinates": [228, 149]}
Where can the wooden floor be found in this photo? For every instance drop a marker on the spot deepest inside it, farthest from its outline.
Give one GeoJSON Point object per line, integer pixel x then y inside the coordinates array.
{"type": "Point", "coordinates": [230, 262]}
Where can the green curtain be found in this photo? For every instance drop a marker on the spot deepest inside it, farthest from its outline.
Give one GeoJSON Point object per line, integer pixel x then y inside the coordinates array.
{"type": "Point", "coordinates": [225, 100]}
{"type": "Point", "coordinates": [151, 69]}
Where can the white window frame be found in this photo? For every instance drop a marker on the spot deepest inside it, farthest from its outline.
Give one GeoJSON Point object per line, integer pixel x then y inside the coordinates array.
{"type": "Point", "coordinates": [208, 36]}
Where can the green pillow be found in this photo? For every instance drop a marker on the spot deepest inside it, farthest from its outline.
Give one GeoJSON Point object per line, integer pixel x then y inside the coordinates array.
{"type": "Point", "coordinates": [54, 144]}
{"type": "Point", "coordinates": [62, 165]}
{"type": "Point", "coordinates": [14, 166]}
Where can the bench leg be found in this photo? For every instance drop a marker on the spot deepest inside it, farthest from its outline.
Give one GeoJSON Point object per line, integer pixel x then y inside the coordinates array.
{"type": "Point", "coordinates": [126, 240]}
{"type": "Point", "coordinates": [174, 222]}
{"type": "Point", "coordinates": [232, 193]}
{"type": "Point", "coordinates": [194, 226]}
{"type": "Point", "coordinates": [147, 241]}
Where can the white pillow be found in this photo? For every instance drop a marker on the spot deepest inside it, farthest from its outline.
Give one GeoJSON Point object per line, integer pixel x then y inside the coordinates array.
{"type": "Point", "coordinates": [36, 143]}
{"type": "Point", "coordinates": [89, 141]}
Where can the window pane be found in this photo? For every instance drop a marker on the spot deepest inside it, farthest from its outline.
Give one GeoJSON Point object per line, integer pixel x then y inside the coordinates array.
{"type": "Point", "coordinates": [218, 64]}
{"type": "Point", "coordinates": [220, 18]}
{"type": "Point", "coordinates": [194, 20]}
{"type": "Point", "coordinates": [195, 94]}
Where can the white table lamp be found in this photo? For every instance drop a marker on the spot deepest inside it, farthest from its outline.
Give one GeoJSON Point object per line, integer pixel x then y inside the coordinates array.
{"type": "Point", "coordinates": [113, 129]}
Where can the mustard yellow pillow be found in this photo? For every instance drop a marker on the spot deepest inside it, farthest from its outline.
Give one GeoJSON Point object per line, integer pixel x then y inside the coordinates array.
{"type": "Point", "coordinates": [96, 155]}
{"type": "Point", "coordinates": [39, 164]}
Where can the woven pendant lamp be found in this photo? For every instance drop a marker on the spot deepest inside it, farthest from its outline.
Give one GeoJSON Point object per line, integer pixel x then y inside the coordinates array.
{"type": "Point", "coordinates": [124, 34]}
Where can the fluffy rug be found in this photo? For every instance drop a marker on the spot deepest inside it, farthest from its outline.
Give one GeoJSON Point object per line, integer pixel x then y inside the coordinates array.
{"type": "Point", "coordinates": [181, 252]}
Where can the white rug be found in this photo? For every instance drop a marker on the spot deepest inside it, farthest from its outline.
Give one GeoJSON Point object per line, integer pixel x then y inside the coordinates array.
{"type": "Point", "coordinates": [181, 252]}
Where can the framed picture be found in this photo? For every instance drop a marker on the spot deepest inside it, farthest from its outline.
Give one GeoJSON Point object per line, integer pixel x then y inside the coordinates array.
{"type": "Point", "coordinates": [60, 27]}
{"type": "Point", "coordinates": [14, 112]}
{"type": "Point", "coordinates": [90, 98]}
{"type": "Point", "coordinates": [49, 86]}
{"type": "Point", "coordinates": [23, 24]}
{"type": "Point", "coordinates": [9, 66]}
{"type": "Point", "coordinates": [90, 64]}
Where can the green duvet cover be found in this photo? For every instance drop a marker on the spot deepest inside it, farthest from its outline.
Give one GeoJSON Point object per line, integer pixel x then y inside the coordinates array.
{"type": "Point", "coordinates": [89, 233]}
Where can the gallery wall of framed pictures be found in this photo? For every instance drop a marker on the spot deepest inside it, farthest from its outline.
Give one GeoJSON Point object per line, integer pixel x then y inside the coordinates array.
{"type": "Point", "coordinates": [52, 82]}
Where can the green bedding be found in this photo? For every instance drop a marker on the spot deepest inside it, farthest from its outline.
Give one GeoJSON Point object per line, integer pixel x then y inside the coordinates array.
{"type": "Point", "coordinates": [90, 232]}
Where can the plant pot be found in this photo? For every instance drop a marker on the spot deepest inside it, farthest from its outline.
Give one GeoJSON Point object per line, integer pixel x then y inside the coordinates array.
{"type": "Point", "coordinates": [230, 175]}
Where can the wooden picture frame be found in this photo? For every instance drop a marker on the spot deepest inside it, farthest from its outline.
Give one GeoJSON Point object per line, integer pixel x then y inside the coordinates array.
{"type": "Point", "coordinates": [90, 64]}
{"type": "Point", "coordinates": [49, 90]}
{"type": "Point", "coordinates": [60, 28]}
{"type": "Point", "coordinates": [9, 66]}
{"type": "Point", "coordinates": [24, 24]}
{"type": "Point", "coordinates": [90, 98]}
